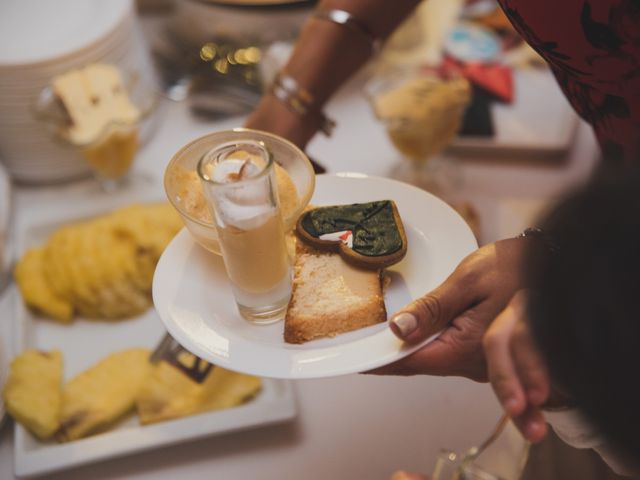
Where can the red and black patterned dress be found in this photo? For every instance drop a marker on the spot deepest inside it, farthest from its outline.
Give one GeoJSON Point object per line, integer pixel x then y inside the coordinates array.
{"type": "Point", "coordinates": [593, 47]}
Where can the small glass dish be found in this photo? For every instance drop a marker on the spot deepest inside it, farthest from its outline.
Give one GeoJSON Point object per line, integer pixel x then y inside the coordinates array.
{"type": "Point", "coordinates": [501, 456]}
{"type": "Point", "coordinates": [182, 184]}
{"type": "Point", "coordinates": [111, 152]}
{"type": "Point", "coordinates": [422, 109]}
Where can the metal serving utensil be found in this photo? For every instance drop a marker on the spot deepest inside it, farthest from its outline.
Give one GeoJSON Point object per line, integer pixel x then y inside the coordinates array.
{"type": "Point", "coordinates": [171, 351]}
{"type": "Point", "coordinates": [475, 452]}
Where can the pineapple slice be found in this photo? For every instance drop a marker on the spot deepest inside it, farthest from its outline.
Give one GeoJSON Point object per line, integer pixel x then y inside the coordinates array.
{"type": "Point", "coordinates": [32, 393]}
{"type": "Point", "coordinates": [35, 289]}
{"type": "Point", "coordinates": [101, 395]}
{"type": "Point", "coordinates": [168, 393]}
{"type": "Point", "coordinates": [100, 268]}
{"type": "Point", "coordinates": [226, 389]}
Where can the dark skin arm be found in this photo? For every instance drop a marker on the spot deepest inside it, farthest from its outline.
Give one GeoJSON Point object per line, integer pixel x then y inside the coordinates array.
{"type": "Point", "coordinates": [325, 56]}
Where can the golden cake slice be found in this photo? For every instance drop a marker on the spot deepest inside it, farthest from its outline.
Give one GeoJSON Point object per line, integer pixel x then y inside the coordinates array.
{"type": "Point", "coordinates": [101, 395]}
{"type": "Point", "coordinates": [33, 393]}
{"type": "Point", "coordinates": [169, 393]}
{"type": "Point", "coordinates": [331, 296]}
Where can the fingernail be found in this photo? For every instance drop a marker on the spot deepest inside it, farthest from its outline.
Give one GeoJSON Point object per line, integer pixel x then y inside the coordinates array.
{"type": "Point", "coordinates": [510, 405]}
{"type": "Point", "coordinates": [406, 323]}
{"type": "Point", "coordinates": [534, 429]}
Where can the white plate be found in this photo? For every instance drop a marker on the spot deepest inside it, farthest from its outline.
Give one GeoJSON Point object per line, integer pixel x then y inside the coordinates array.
{"type": "Point", "coordinates": [85, 342]}
{"type": "Point", "coordinates": [34, 31]}
{"type": "Point", "coordinates": [193, 297]}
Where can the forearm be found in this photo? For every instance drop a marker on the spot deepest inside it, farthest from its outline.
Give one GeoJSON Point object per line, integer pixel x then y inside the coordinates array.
{"type": "Point", "coordinates": [325, 56]}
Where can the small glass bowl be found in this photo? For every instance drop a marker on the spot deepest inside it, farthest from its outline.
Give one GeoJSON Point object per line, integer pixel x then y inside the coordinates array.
{"type": "Point", "coordinates": [181, 179]}
{"type": "Point", "coordinates": [112, 151]}
{"type": "Point", "coordinates": [421, 108]}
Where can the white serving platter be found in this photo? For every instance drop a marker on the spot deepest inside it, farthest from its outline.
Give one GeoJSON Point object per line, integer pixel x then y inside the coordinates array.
{"type": "Point", "coordinates": [85, 342]}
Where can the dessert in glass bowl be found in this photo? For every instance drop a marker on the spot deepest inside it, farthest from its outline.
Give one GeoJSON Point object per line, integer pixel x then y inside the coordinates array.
{"type": "Point", "coordinates": [292, 170]}
{"type": "Point", "coordinates": [422, 110]}
{"type": "Point", "coordinates": [103, 113]}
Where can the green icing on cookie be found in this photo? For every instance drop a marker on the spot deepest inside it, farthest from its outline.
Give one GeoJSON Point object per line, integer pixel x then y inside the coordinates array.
{"type": "Point", "coordinates": [373, 224]}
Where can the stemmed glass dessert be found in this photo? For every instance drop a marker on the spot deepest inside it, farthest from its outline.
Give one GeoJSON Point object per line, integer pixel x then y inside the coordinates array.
{"type": "Point", "coordinates": [102, 113]}
{"type": "Point", "coordinates": [422, 110]}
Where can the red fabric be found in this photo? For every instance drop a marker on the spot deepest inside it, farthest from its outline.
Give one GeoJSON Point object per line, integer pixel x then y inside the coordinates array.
{"type": "Point", "coordinates": [493, 77]}
{"type": "Point", "coordinates": [593, 47]}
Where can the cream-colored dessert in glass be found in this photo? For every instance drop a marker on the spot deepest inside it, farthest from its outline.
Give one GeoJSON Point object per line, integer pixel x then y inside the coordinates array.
{"type": "Point", "coordinates": [239, 184]}
{"type": "Point", "coordinates": [103, 121]}
{"type": "Point", "coordinates": [294, 176]}
{"type": "Point", "coordinates": [104, 114]}
{"type": "Point", "coordinates": [422, 111]}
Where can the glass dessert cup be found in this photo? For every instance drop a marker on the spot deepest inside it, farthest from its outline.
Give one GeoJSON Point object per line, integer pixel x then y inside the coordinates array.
{"type": "Point", "coordinates": [183, 189]}
{"type": "Point", "coordinates": [239, 183]}
{"type": "Point", "coordinates": [422, 110]}
{"type": "Point", "coordinates": [110, 153]}
{"type": "Point", "coordinates": [501, 456]}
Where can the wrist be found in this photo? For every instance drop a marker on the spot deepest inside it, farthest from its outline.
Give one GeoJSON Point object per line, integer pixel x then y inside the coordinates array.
{"type": "Point", "coordinates": [300, 101]}
{"type": "Point", "coordinates": [540, 235]}
{"type": "Point", "coordinates": [272, 116]}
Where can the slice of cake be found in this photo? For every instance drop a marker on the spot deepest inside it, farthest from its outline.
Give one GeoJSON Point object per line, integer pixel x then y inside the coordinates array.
{"type": "Point", "coordinates": [331, 296]}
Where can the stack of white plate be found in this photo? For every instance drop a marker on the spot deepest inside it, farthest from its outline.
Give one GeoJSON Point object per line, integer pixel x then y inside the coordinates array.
{"type": "Point", "coordinates": [40, 39]}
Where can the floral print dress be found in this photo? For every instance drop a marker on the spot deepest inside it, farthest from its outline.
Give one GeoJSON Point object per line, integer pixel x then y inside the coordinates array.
{"type": "Point", "coordinates": [593, 48]}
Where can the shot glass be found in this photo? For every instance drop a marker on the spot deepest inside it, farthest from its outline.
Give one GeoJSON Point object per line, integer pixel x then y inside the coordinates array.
{"type": "Point", "coordinates": [240, 188]}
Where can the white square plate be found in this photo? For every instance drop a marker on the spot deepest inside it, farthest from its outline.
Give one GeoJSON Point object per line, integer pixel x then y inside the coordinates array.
{"type": "Point", "coordinates": [85, 342]}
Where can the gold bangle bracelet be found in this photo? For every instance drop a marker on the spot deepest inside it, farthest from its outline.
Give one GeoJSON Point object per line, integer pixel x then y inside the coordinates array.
{"type": "Point", "coordinates": [351, 22]}
{"type": "Point", "coordinates": [299, 100]}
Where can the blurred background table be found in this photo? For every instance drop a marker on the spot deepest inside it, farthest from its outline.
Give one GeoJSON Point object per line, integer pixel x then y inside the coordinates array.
{"type": "Point", "coordinates": [349, 427]}
{"type": "Point", "coordinates": [355, 426]}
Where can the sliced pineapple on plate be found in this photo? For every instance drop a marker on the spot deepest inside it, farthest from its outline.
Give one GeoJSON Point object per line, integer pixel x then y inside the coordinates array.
{"type": "Point", "coordinates": [33, 394]}
{"type": "Point", "coordinates": [98, 397]}
{"type": "Point", "coordinates": [169, 393]}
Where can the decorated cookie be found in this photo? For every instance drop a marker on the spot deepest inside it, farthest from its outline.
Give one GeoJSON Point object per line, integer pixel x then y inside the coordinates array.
{"type": "Point", "coordinates": [369, 235]}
